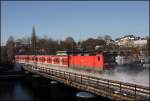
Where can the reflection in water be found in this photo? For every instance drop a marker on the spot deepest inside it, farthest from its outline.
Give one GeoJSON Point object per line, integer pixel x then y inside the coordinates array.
{"type": "Point", "coordinates": [13, 90]}
{"type": "Point", "coordinates": [20, 92]}
{"type": "Point", "coordinates": [36, 89]}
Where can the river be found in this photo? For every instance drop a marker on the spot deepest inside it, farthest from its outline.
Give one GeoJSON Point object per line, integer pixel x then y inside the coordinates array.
{"type": "Point", "coordinates": [36, 88]}
{"type": "Point", "coordinates": [31, 88]}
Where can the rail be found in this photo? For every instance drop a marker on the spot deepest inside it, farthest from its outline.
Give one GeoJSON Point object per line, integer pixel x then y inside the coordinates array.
{"type": "Point", "coordinates": [108, 88]}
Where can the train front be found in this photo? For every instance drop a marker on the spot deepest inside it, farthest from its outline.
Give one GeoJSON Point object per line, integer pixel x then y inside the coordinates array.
{"type": "Point", "coordinates": [109, 60]}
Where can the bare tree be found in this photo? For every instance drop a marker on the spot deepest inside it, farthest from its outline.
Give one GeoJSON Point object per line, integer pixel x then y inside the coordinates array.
{"type": "Point", "coordinates": [100, 38]}
{"type": "Point", "coordinates": [91, 43]}
{"type": "Point", "coordinates": [10, 48]}
{"type": "Point", "coordinates": [68, 44]}
{"type": "Point", "coordinates": [107, 37]}
{"type": "Point", "coordinates": [70, 40]}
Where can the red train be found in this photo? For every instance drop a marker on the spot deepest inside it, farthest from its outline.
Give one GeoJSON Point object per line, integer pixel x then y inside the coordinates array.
{"type": "Point", "coordinates": [100, 61]}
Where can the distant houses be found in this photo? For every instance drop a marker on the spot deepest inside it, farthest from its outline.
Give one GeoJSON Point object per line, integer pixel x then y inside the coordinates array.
{"type": "Point", "coordinates": [22, 44]}
{"type": "Point", "coordinates": [140, 43]}
{"type": "Point", "coordinates": [126, 42]}
{"type": "Point", "coordinates": [21, 47]}
{"type": "Point", "coordinates": [131, 41]}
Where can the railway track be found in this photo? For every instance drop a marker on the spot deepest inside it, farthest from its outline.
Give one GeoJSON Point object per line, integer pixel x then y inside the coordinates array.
{"type": "Point", "coordinates": [115, 90]}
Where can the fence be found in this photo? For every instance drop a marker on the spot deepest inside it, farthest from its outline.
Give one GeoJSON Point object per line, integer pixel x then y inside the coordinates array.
{"type": "Point", "coordinates": [108, 88]}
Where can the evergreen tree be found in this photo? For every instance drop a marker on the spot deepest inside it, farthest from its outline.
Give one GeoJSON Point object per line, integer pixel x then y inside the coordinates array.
{"type": "Point", "coordinates": [33, 41]}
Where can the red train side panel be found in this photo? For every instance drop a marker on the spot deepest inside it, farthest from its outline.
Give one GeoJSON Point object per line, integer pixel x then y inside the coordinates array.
{"type": "Point", "coordinates": [66, 61]}
{"type": "Point", "coordinates": [87, 61]}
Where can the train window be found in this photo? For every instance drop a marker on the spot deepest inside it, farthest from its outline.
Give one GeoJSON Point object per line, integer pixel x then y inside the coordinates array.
{"type": "Point", "coordinates": [57, 60]}
{"type": "Point", "coordinates": [49, 60]}
{"type": "Point", "coordinates": [64, 61]}
{"type": "Point", "coordinates": [36, 58]}
{"type": "Point", "coordinates": [42, 59]}
{"type": "Point", "coordinates": [98, 58]}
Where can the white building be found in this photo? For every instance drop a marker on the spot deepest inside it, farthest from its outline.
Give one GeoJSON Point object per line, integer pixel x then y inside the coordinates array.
{"type": "Point", "coordinates": [125, 41]}
{"type": "Point", "coordinates": [140, 43]}
{"type": "Point", "coordinates": [131, 41]}
{"type": "Point", "coordinates": [110, 42]}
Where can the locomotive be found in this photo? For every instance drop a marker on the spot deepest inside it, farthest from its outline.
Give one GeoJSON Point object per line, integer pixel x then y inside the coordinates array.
{"type": "Point", "coordinates": [79, 60]}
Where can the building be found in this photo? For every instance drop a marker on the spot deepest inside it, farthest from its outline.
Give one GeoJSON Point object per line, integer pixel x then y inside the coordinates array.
{"type": "Point", "coordinates": [126, 41]}
{"type": "Point", "coordinates": [22, 47]}
{"type": "Point", "coordinates": [131, 41]}
{"type": "Point", "coordinates": [110, 42]}
{"type": "Point", "coordinates": [19, 44]}
{"type": "Point", "coordinates": [140, 43]}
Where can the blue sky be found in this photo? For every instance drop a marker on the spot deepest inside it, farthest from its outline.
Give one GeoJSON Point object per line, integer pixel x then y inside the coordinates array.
{"type": "Point", "coordinates": [79, 19]}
